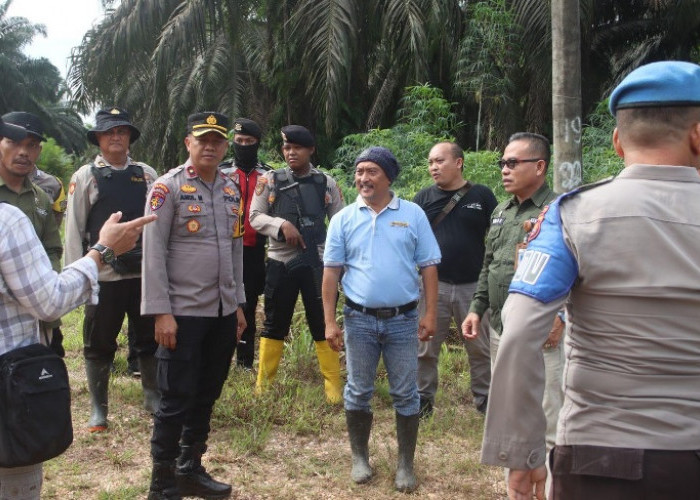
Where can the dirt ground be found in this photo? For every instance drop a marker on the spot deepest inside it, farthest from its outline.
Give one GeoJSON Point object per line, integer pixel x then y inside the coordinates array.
{"type": "Point", "coordinates": [116, 464]}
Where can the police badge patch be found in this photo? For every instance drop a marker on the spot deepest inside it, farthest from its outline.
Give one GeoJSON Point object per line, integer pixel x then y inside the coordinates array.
{"type": "Point", "coordinates": [188, 188]}
{"type": "Point", "coordinates": [157, 200]}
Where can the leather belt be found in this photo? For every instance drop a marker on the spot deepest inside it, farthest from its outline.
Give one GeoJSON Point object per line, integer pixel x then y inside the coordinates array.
{"type": "Point", "coordinates": [382, 312]}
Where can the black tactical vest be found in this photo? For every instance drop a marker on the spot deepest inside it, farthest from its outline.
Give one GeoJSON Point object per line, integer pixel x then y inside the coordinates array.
{"type": "Point", "coordinates": [308, 197]}
{"type": "Point", "coordinates": [123, 190]}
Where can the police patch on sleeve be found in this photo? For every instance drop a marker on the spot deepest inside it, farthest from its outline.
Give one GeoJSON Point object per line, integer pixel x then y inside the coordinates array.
{"type": "Point", "coordinates": [547, 270]}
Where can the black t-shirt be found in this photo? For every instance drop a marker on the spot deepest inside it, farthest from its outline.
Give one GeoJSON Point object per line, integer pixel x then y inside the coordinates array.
{"type": "Point", "coordinates": [461, 235]}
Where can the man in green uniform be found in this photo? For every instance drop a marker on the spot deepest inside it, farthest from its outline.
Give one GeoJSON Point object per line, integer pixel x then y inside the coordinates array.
{"type": "Point", "coordinates": [524, 171]}
{"type": "Point", "coordinates": [16, 188]}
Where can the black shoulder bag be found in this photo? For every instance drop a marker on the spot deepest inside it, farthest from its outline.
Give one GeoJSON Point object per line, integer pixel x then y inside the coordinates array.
{"type": "Point", "coordinates": [35, 418]}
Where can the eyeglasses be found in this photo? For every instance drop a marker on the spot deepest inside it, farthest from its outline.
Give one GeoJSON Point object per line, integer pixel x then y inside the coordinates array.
{"type": "Point", "coordinates": [512, 162]}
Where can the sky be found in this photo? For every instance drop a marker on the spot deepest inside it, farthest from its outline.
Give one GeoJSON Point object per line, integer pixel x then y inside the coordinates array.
{"type": "Point", "coordinates": [66, 22]}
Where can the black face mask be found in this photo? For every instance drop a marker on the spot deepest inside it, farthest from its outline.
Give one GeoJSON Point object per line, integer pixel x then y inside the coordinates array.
{"type": "Point", "coordinates": [246, 156]}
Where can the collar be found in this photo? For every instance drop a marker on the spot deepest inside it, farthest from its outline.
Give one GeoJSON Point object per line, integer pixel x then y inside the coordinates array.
{"type": "Point", "coordinates": [660, 172]}
{"type": "Point", "coordinates": [26, 185]}
{"type": "Point", "coordinates": [538, 198]}
{"type": "Point", "coordinates": [100, 162]}
{"type": "Point", "coordinates": [191, 173]}
{"type": "Point", "coordinates": [393, 203]}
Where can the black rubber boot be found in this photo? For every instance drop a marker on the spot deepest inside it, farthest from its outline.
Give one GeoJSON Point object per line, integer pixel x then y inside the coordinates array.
{"type": "Point", "coordinates": [97, 371]}
{"type": "Point", "coordinates": [163, 485]}
{"type": "Point", "coordinates": [359, 426]}
{"type": "Point", "coordinates": [406, 435]}
{"type": "Point", "coordinates": [192, 479]}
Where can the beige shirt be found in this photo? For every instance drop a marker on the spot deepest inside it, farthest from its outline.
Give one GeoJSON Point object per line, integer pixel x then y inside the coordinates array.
{"type": "Point", "coordinates": [632, 376]}
{"type": "Point", "coordinates": [193, 252]}
{"type": "Point", "coordinates": [264, 223]}
{"type": "Point", "coordinates": [82, 195]}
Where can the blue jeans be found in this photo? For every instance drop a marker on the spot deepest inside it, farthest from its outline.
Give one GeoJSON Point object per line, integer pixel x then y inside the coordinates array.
{"type": "Point", "coordinates": [396, 340]}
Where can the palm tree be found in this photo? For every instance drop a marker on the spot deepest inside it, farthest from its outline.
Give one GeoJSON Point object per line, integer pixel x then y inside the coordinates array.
{"type": "Point", "coordinates": [35, 85]}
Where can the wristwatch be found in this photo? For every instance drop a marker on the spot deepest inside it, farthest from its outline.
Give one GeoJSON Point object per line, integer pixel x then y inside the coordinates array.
{"type": "Point", "coordinates": [106, 253]}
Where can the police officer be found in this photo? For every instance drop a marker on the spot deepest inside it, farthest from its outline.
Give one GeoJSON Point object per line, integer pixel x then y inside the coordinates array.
{"type": "Point", "coordinates": [112, 182]}
{"type": "Point", "coordinates": [16, 188]}
{"type": "Point", "coordinates": [286, 202]}
{"type": "Point", "coordinates": [245, 169]}
{"type": "Point", "coordinates": [193, 285]}
{"type": "Point", "coordinates": [621, 254]}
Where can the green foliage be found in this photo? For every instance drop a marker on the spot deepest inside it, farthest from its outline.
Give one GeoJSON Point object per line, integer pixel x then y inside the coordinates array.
{"type": "Point", "coordinates": [599, 157]}
{"type": "Point", "coordinates": [55, 160]}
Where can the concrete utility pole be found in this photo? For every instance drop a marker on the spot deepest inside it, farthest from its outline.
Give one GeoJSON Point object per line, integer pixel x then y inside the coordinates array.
{"type": "Point", "coordinates": [566, 94]}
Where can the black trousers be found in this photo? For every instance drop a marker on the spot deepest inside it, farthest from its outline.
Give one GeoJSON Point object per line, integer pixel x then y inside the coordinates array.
{"type": "Point", "coordinates": [103, 321]}
{"type": "Point", "coordinates": [281, 291]}
{"type": "Point", "coordinates": [254, 281]}
{"type": "Point", "coordinates": [602, 473]}
{"type": "Point", "coordinates": [190, 379]}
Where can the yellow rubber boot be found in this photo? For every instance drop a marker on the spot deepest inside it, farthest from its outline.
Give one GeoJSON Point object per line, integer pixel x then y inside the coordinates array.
{"type": "Point", "coordinates": [330, 368]}
{"type": "Point", "coordinates": [270, 356]}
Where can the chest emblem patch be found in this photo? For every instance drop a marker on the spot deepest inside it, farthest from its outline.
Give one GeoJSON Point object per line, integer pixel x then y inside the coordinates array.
{"type": "Point", "coordinates": [230, 191]}
{"type": "Point", "coordinates": [195, 209]}
{"type": "Point", "coordinates": [188, 188]}
{"type": "Point", "coordinates": [193, 226]}
{"type": "Point", "coordinates": [538, 225]}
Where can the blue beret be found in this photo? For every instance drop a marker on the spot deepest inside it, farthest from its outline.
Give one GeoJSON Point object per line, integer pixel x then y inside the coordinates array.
{"type": "Point", "coordinates": [382, 157]}
{"type": "Point", "coordinates": [296, 134]}
{"type": "Point", "coordinates": [660, 84]}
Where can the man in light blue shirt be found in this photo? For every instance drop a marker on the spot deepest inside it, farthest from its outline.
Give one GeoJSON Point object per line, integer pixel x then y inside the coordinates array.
{"type": "Point", "coordinates": [383, 243]}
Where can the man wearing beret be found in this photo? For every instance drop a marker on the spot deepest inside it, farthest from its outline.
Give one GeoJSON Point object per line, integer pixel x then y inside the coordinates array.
{"type": "Point", "coordinates": [16, 188]}
{"type": "Point", "coordinates": [621, 255]}
{"type": "Point", "coordinates": [385, 245]}
{"type": "Point", "coordinates": [193, 285]}
{"type": "Point", "coordinates": [245, 169]}
{"type": "Point", "coordinates": [290, 206]}
{"type": "Point", "coordinates": [113, 181]}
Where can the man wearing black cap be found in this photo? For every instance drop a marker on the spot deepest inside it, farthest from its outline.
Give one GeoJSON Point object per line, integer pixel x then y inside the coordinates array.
{"type": "Point", "coordinates": [50, 184]}
{"type": "Point", "coordinates": [193, 285]}
{"type": "Point", "coordinates": [245, 169]}
{"type": "Point", "coordinates": [287, 203]}
{"type": "Point", "coordinates": [113, 181]}
{"type": "Point", "coordinates": [17, 189]}
{"type": "Point", "coordinates": [621, 255]}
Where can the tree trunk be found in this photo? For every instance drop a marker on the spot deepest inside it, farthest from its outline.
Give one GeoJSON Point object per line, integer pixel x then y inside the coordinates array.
{"type": "Point", "coordinates": [566, 94]}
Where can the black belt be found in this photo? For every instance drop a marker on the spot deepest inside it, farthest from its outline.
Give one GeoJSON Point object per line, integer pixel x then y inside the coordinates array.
{"type": "Point", "coordinates": [382, 312]}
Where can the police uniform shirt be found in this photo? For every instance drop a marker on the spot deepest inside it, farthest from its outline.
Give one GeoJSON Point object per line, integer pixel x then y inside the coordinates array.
{"type": "Point", "coordinates": [623, 255]}
{"type": "Point", "coordinates": [266, 224]}
{"type": "Point", "coordinates": [499, 260]}
{"type": "Point", "coordinates": [461, 233]}
{"type": "Point", "coordinates": [53, 187]}
{"type": "Point", "coordinates": [193, 252]}
{"type": "Point", "coordinates": [82, 196]}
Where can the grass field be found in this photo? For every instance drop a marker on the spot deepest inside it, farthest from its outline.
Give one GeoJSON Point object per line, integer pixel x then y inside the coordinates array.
{"type": "Point", "coordinates": [286, 444]}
